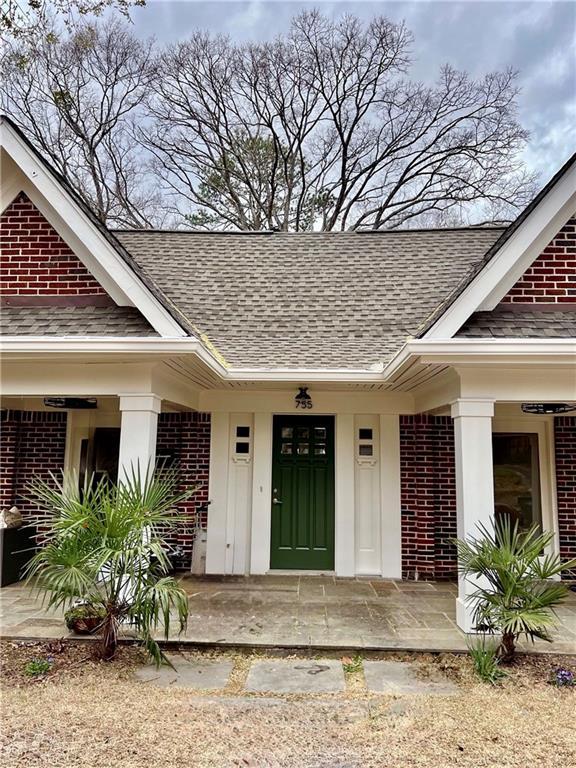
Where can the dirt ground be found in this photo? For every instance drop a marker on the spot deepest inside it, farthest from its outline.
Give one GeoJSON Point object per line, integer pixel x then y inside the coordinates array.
{"type": "Point", "coordinates": [87, 713]}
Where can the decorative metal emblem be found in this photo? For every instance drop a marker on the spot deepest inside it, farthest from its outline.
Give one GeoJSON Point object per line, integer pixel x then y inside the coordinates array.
{"type": "Point", "coordinates": [546, 408]}
{"type": "Point", "coordinates": [303, 399]}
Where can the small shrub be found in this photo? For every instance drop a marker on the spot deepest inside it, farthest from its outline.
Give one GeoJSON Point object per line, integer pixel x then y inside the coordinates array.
{"type": "Point", "coordinates": [515, 594]}
{"type": "Point", "coordinates": [38, 667]}
{"type": "Point", "coordinates": [485, 659]}
{"type": "Point", "coordinates": [563, 678]}
{"type": "Point", "coordinates": [106, 546]}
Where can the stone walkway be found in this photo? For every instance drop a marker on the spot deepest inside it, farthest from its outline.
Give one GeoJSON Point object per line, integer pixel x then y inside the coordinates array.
{"type": "Point", "coordinates": [302, 612]}
{"type": "Point", "coordinates": [300, 676]}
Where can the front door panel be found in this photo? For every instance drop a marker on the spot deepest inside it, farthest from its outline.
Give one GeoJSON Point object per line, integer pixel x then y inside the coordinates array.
{"type": "Point", "coordinates": [303, 493]}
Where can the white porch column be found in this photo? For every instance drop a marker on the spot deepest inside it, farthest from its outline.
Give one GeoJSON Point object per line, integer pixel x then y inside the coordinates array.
{"type": "Point", "coordinates": [138, 432]}
{"type": "Point", "coordinates": [474, 482]}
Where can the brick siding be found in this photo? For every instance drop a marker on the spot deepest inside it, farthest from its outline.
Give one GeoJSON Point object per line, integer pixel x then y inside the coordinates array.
{"type": "Point", "coordinates": [185, 438]}
{"type": "Point", "coordinates": [552, 277]}
{"type": "Point", "coordinates": [32, 443]}
{"type": "Point", "coordinates": [565, 445]}
{"type": "Point", "coordinates": [34, 259]}
{"type": "Point", "coordinates": [428, 494]}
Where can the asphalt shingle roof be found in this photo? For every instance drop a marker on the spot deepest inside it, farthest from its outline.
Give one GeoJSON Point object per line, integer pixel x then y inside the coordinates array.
{"type": "Point", "coordinates": [520, 323]}
{"type": "Point", "coordinates": [73, 321]}
{"type": "Point", "coordinates": [308, 299]}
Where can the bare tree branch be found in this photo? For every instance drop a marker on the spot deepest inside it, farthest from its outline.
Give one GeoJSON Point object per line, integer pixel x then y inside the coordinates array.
{"type": "Point", "coordinates": [78, 98]}
{"type": "Point", "coordinates": [345, 140]}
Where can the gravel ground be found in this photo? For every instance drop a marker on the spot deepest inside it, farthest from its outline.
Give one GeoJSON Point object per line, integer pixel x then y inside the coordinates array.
{"type": "Point", "coordinates": [85, 713]}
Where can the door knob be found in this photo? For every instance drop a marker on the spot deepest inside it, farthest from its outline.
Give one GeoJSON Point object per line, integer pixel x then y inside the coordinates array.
{"type": "Point", "coordinates": [275, 500]}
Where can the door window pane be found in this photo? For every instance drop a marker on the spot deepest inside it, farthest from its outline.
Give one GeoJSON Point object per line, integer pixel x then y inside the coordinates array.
{"type": "Point", "coordinates": [517, 478]}
{"type": "Point", "coordinates": [320, 433]}
{"type": "Point", "coordinates": [302, 449]}
{"type": "Point", "coordinates": [242, 431]}
{"type": "Point", "coordinates": [320, 449]}
{"type": "Point", "coordinates": [364, 433]}
{"type": "Point", "coordinates": [303, 433]}
{"type": "Point", "coordinates": [365, 450]}
{"type": "Point", "coordinates": [287, 433]}
{"type": "Point", "coordinates": [286, 449]}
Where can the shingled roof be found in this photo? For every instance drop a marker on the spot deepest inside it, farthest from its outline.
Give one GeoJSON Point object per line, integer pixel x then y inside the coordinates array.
{"type": "Point", "coordinates": [521, 323]}
{"type": "Point", "coordinates": [73, 321]}
{"type": "Point", "coordinates": [336, 300]}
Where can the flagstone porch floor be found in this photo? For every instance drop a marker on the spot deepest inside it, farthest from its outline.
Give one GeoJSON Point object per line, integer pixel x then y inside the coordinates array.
{"type": "Point", "coordinates": [292, 611]}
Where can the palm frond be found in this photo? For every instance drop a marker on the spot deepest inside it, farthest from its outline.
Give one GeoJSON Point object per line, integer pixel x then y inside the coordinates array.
{"type": "Point", "coordinates": [106, 544]}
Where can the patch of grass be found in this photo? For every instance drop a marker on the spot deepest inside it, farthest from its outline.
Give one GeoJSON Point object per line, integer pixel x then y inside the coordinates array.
{"type": "Point", "coordinates": [484, 654]}
{"type": "Point", "coordinates": [352, 665]}
{"type": "Point", "coordinates": [37, 667]}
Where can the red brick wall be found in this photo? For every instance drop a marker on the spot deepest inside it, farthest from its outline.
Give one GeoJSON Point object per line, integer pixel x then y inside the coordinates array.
{"type": "Point", "coordinates": [9, 424]}
{"type": "Point", "coordinates": [552, 277]}
{"type": "Point", "coordinates": [428, 493]}
{"type": "Point", "coordinates": [32, 443]}
{"type": "Point", "coordinates": [34, 259]}
{"type": "Point", "coordinates": [565, 444]}
{"type": "Point", "coordinates": [185, 438]}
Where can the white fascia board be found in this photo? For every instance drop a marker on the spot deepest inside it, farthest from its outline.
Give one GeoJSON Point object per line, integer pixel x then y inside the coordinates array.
{"type": "Point", "coordinates": [477, 350]}
{"type": "Point", "coordinates": [43, 345]}
{"type": "Point", "coordinates": [523, 247]}
{"type": "Point", "coordinates": [115, 344]}
{"type": "Point", "coordinates": [304, 374]}
{"type": "Point", "coordinates": [84, 237]}
{"type": "Point", "coordinates": [481, 351]}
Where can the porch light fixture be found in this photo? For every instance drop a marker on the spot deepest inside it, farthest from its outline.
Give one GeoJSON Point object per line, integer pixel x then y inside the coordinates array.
{"type": "Point", "coordinates": [303, 399]}
{"type": "Point", "coordinates": [81, 403]}
{"type": "Point", "coordinates": [547, 408]}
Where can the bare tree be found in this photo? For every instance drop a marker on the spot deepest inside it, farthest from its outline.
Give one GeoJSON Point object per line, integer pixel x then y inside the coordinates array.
{"type": "Point", "coordinates": [28, 18]}
{"type": "Point", "coordinates": [323, 129]}
{"type": "Point", "coordinates": [79, 98]}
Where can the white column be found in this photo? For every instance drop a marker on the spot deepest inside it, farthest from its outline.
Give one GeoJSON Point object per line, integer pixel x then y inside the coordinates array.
{"type": "Point", "coordinates": [345, 564]}
{"type": "Point", "coordinates": [474, 483]}
{"type": "Point", "coordinates": [138, 430]}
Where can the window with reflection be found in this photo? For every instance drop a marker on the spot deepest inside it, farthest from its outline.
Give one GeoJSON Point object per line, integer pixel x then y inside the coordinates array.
{"type": "Point", "coordinates": [517, 478]}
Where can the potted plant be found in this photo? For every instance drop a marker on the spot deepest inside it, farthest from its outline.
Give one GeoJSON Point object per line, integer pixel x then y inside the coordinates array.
{"type": "Point", "coordinates": [84, 618]}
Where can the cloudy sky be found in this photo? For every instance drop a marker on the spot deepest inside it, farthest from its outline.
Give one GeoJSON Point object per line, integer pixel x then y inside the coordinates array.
{"type": "Point", "coordinates": [536, 38]}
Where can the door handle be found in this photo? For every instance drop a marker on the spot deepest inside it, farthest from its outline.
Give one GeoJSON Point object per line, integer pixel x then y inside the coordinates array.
{"type": "Point", "coordinates": [276, 501]}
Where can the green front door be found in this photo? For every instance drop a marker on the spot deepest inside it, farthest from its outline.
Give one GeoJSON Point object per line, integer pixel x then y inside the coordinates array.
{"type": "Point", "coordinates": [303, 493]}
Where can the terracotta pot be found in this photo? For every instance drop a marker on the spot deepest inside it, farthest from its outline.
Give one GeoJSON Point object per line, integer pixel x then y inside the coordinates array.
{"type": "Point", "coordinates": [85, 625]}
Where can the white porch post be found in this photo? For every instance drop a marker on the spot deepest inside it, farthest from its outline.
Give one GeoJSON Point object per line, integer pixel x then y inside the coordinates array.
{"type": "Point", "coordinates": [138, 432]}
{"type": "Point", "coordinates": [474, 482]}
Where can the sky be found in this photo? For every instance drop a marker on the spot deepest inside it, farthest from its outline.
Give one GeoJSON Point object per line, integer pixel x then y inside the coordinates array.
{"type": "Point", "coordinates": [536, 38]}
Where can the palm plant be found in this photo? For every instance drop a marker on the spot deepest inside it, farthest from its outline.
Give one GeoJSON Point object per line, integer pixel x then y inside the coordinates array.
{"type": "Point", "coordinates": [105, 546]}
{"type": "Point", "coordinates": [510, 570]}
